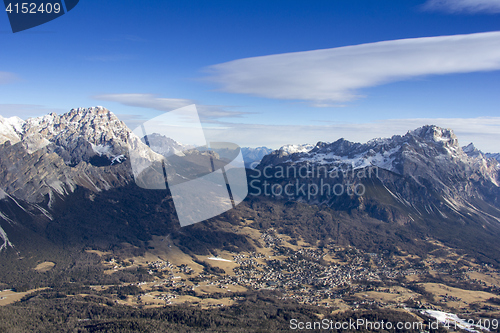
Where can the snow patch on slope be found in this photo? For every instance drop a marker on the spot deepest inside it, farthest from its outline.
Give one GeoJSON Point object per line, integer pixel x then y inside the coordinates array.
{"type": "Point", "coordinates": [6, 241]}
{"type": "Point", "coordinates": [34, 143]}
{"type": "Point", "coordinates": [219, 259]}
{"type": "Point", "coordinates": [6, 218]}
{"type": "Point", "coordinates": [453, 321]}
{"type": "Point", "coordinates": [3, 195]}
{"type": "Point", "coordinates": [101, 149]}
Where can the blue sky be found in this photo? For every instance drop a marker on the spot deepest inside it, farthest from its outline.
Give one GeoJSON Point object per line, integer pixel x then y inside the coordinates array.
{"type": "Point", "coordinates": [244, 64]}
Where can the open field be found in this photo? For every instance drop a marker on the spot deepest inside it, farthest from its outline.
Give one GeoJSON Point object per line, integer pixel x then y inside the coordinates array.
{"type": "Point", "coordinates": [390, 295]}
{"type": "Point", "coordinates": [490, 279]}
{"type": "Point", "coordinates": [456, 298]}
{"type": "Point", "coordinates": [9, 296]}
{"type": "Point", "coordinates": [45, 266]}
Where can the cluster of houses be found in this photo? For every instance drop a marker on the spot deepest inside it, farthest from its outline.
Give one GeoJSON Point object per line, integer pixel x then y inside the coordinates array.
{"type": "Point", "coordinates": [304, 275]}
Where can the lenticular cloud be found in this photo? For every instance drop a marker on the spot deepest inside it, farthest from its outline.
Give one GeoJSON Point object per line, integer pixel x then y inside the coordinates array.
{"type": "Point", "coordinates": [336, 75]}
{"type": "Point", "coordinates": [463, 6]}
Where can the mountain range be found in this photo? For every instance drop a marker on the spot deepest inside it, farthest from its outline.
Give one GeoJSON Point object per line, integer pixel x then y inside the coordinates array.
{"type": "Point", "coordinates": [422, 180]}
{"type": "Point", "coordinates": [66, 180]}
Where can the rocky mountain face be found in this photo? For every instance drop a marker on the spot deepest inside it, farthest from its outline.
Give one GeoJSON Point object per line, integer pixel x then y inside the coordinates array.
{"type": "Point", "coordinates": [76, 136]}
{"type": "Point", "coordinates": [427, 154]}
{"type": "Point", "coordinates": [52, 155]}
{"type": "Point", "coordinates": [48, 162]}
{"type": "Point", "coordinates": [46, 159]}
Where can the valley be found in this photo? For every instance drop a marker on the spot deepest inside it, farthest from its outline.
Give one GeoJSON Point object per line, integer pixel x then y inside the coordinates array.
{"type": "Point", "coordinates": [332, 277]}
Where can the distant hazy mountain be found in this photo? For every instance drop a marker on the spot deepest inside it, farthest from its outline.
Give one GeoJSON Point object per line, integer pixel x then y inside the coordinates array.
{"type": "Point", "coordinates": [165, 146]}
{"type": "Point", "coordinates": [493, 155]}
{"type": "Point", "coordinates": [253, 156]}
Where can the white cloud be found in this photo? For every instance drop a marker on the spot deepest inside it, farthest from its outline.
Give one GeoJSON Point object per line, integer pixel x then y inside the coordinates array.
{"type": "Point", "coordinates": [151, 101]}
{"type": "Point", "coordinates": [7, 77]}
{"type": "Point", "coordinates": [25, 111]}
{"type": "Point", "coordinates": [335, 75]}
{"type": "Point", "coordinates": [463, 6]}
{"type": "Point", "coordinates": [483, 131]}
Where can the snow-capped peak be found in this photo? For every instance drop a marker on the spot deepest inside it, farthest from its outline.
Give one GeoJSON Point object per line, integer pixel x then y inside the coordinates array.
{"type": "Point", "coordinates": [104, 133]}
{"type": "Point", "coordinates": [293, 149]}
{"type": "Point", "coordinates": [10, 128]}
{"type": "Point", "coordinates": [471, 151]}
{"type": "Point", "coordinates": [469, 148]}
{"type": "Point", "coordinates": [16, 123]}
{"type": "Point", "coordinates": [436, 134]}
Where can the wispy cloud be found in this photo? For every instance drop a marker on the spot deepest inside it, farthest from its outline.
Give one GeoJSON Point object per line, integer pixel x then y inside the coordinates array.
{"type": "Point", "coordinates": [463, 6]}
{"type": "Point", "coordinates": [151, 101]}
{"type": "Point", "coordinates": [483, 131]}
{"type": "Point", "coordinates": [335, 75]}
{"type": "Point", "coordinates": [7, 77]}
{"type": "Point", "coordinates": [25, 111]}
